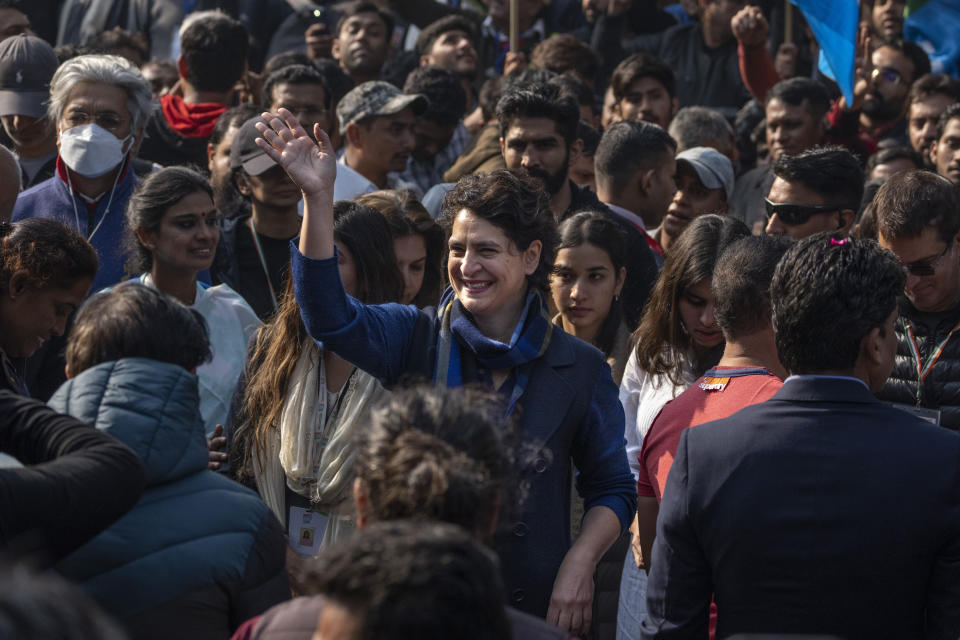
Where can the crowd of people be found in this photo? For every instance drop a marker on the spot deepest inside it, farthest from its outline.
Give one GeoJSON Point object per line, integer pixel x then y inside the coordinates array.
{"type": "Point", "coordinates": [368, 320]}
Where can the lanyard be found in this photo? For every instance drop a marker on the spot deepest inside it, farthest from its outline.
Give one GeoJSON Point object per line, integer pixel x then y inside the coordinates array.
{"type": "Point", "coordinates": [263, 262]}
{"type": "Point", "coordinates": [923, 370]}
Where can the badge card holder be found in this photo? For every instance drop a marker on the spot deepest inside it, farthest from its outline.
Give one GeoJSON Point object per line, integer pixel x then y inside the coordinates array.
{"type": "Point", "coordinates": [930, 415]}
{"type": "Point", "coordinates": [306, 530]}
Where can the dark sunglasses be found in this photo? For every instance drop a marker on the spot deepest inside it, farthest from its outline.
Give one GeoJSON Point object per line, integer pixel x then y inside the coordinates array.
{"type": "Point", "coordinates": [795, 214]}
{"type": "Point", "coordinates": [923, 269]}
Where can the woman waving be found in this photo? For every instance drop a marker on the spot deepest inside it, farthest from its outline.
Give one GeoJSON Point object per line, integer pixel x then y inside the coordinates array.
{"type": "Point", "coordinates": [492, 327]}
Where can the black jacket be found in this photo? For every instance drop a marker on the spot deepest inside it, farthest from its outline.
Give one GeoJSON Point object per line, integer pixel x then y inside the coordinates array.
{"type": "Point", "coordinates": [165, 146]}
{"type": "Point", "coordinates": [941, 388]}
{"type": "Point", "coordinates": [56, 503]}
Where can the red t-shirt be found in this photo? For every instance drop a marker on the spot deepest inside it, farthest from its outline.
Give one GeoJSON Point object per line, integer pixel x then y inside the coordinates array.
{"type": "Point", "coordinates": [721, 392]}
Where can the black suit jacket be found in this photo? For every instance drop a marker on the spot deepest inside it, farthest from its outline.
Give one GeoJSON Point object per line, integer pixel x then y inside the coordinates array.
{"type": "Point", "coordinates": [821, 510]}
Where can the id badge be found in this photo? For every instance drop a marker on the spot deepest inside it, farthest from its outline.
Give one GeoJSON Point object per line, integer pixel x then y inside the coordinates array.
{"type": "Point", "coordinates": [306, 530]}
{"type": "Point", "coordinates": [930, 415]}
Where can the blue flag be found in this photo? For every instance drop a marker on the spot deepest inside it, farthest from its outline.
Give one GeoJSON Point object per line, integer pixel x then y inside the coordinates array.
{"type": "Point", "coordinates": [934, 26]}
{"type": "Point", "coordinates": [834, 25]}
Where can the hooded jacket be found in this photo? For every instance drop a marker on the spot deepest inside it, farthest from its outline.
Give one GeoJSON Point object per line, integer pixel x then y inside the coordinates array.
{"type": "Point", "coordinates": [199, 553]}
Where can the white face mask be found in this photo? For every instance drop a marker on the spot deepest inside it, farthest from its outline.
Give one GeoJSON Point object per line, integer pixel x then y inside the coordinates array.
{"type": "Point", "coordinates": [91, 150]}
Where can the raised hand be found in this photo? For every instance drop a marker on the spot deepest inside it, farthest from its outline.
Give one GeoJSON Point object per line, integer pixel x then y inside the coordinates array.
{"type": "Point", "coordinates": [312, 166]}
{"type": "Point", "coordinates": [750, 27]}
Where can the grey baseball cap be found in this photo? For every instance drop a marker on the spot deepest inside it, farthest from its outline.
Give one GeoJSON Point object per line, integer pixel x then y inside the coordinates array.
{"type": "Point", "coordinates": [376, 98]}
{"type": "Point", "coordinates": [713, 168]}
{"type": "Point", "coordinates": [27, 65]}
{"type": "Point", "coordinates": [244, 151]}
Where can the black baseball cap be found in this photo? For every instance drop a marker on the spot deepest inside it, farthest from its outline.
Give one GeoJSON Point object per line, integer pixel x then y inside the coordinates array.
{"type": "Point", "coordinates": [27, 65]}
{"type": "Point", "coordinates": [244, 151]}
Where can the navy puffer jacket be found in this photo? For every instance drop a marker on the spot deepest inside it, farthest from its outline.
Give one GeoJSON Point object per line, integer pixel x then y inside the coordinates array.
{"type": "Point", "coordinates": [941, 388]}
{"type": "Point", "coordinates": [199, 554]}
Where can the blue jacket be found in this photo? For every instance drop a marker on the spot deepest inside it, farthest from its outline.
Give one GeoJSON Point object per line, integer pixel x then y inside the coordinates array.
{"type": "Point", "coordinates": [199, 554]}
{"type": "Point", "coordinates": [52, 199]}
{"type": "Point", "coordinates": [568, 411]}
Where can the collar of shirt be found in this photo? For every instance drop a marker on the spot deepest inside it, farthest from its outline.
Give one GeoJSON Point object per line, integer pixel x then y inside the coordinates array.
{"type": "Point", "coordinates": [538, 29]}
{"type": "Point", "coordinates": [628, 215]}
{"type": "Point", "coordinates": [809, 376]}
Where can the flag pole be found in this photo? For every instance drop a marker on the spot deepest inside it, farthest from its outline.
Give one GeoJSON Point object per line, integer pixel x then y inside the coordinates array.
{"type": "Point", "coordinates": [788, 23]}
{"type": "Point", "coordinates": [514, 25]}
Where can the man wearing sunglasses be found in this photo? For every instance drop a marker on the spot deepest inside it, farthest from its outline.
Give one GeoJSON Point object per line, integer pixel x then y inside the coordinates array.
{"type": "Point", "coordinates": [817, 190]}
{"type": "Point", "coordinates": [918, 219]}
{"type": "Point", "coordinates": [877, 116]}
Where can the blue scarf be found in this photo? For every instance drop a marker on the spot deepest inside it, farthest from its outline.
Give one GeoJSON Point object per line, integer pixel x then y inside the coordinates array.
{"type": "Point", "coordinates": [462, 347]}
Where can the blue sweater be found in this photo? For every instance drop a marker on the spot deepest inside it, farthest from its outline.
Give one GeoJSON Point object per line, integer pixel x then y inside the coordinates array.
{"type": "Point", "coordinates": [569, 410]}
{"type": "Point", "coordinates": [53, 199]}
{"type": "Point", "coordinates": [199, 554]}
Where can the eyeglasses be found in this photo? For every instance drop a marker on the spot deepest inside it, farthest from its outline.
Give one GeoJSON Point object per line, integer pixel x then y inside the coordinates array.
{"type": "Point", "coordinates": [795, 214]}
{"type": "Point", "coordinates": [924, 269]}
{"type": "Point", "coordinates": [889, 74]}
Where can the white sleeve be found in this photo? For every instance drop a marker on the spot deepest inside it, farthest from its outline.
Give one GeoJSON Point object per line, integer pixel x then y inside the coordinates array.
{"type": "Point", "coordinates": [630, 388]}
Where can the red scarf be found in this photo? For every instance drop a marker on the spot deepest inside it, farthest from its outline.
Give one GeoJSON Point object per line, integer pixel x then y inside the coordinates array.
{"type": "Point", "coordinates": [191, 120]}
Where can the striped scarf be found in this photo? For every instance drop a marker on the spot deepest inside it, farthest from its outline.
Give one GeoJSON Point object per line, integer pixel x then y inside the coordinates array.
{"type": "Point", "coordinates": [462, 348]}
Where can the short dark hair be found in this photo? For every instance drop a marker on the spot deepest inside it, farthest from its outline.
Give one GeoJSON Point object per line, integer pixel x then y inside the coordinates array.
{"type": "Point", "coordinates": [51, 254]}
{"type": "Point", "coordinates": [832, 172]}
{"type": "Point", "coordinates": [953, 111]}
{"type": "Point", "coordinates": [285, 59]}
{"type": "Point", "coordinates": [933, 84]}
{"type": "Point", "coordinates": [446, 99]}
{"type": "Point", "coordinates": [889, 154]}
{"type": "Point", "coordinates": [642, 65]}
{"type": "Point", "coordinates": [406, 580]}
{"type": "Point", "coordinates": [911, 201]}
{"type": "Point", "coordinates": [827, 296]}
{"type": "Point", "coordinates": [565, 53]}
{"type": "Point", "coordinates": [215, 49]}
{"type": "Point", "coordinates": [489, 96]}
{"type": "Point", "coordinates": [577, 88]}
{"type": "Point", "coordinates": [794, 91]}
{"type": "Point", "coordinates": [295, 74]}
{"type": "Point", "coordinates": [361, 6]}
{"type": "Point", "coordinates": [232, 118]}
{"type": "Point", "coordinates": [515, 203]}
{"type": "Point", "coordinates": [133, 320]}
{"type": "Point", "coordinates": [914, 52]}
{"type": "Point", "coordinates": [539, 100]}
{"type": "Point", "coordinates": [437, 454]}
{"type": "Point", "coordinates": [112, 41]}
{"type": "Point", "coordinates": [432, 32]}
{"type": "Point", "coordinates": [338, 81]}
{"type": "Point", "coordinates": [741, 283]}
{"type": "Point", "coordinates": [39, 606]}
{"type": "Point", "coordinates": [150, 201]}
{"type": "Point", "coordinates": [630, 146]}
{"type": "Point", "coordinates": [590, 138]}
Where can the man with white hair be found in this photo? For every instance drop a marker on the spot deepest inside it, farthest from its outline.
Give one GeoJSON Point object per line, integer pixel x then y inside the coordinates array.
{"type": "Point", "coordinates": [99, 105]}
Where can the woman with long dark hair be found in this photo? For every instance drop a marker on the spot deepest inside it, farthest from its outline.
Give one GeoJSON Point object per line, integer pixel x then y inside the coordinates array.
{"type": "Point", "coordinates": [588, 275]}
{"type": "Point", "coordinates": [172, 234]}
{"type": "Point", "coordinates": [303, 405]}
{"type": "Point", "coordinates": [491, 328]}
{"type": "Point", "coordinates": [677, 341]}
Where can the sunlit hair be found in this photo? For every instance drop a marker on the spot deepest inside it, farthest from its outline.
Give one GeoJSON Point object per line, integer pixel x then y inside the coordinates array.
{"type": "Point", "coordinates": [663, 346]}
{"type": "Point", "coordinates": [103, 69]}
{"type": "Point", "coordinates": [279, 344]}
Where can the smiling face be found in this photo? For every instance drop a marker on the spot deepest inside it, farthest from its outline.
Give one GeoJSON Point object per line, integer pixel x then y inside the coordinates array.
{"type": "Point", "coordinates": [583, 285]}
{"type": "Point", "coordinates": [188, 235]}
{"type": "Point", "coordinates": [29, 317]}
{"type": "Point", "coordinates": [696, 307]}
{"type": "Point", "coordinates": [930, 293]}
{"type": "Point", "coordinates": [487, 270]}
